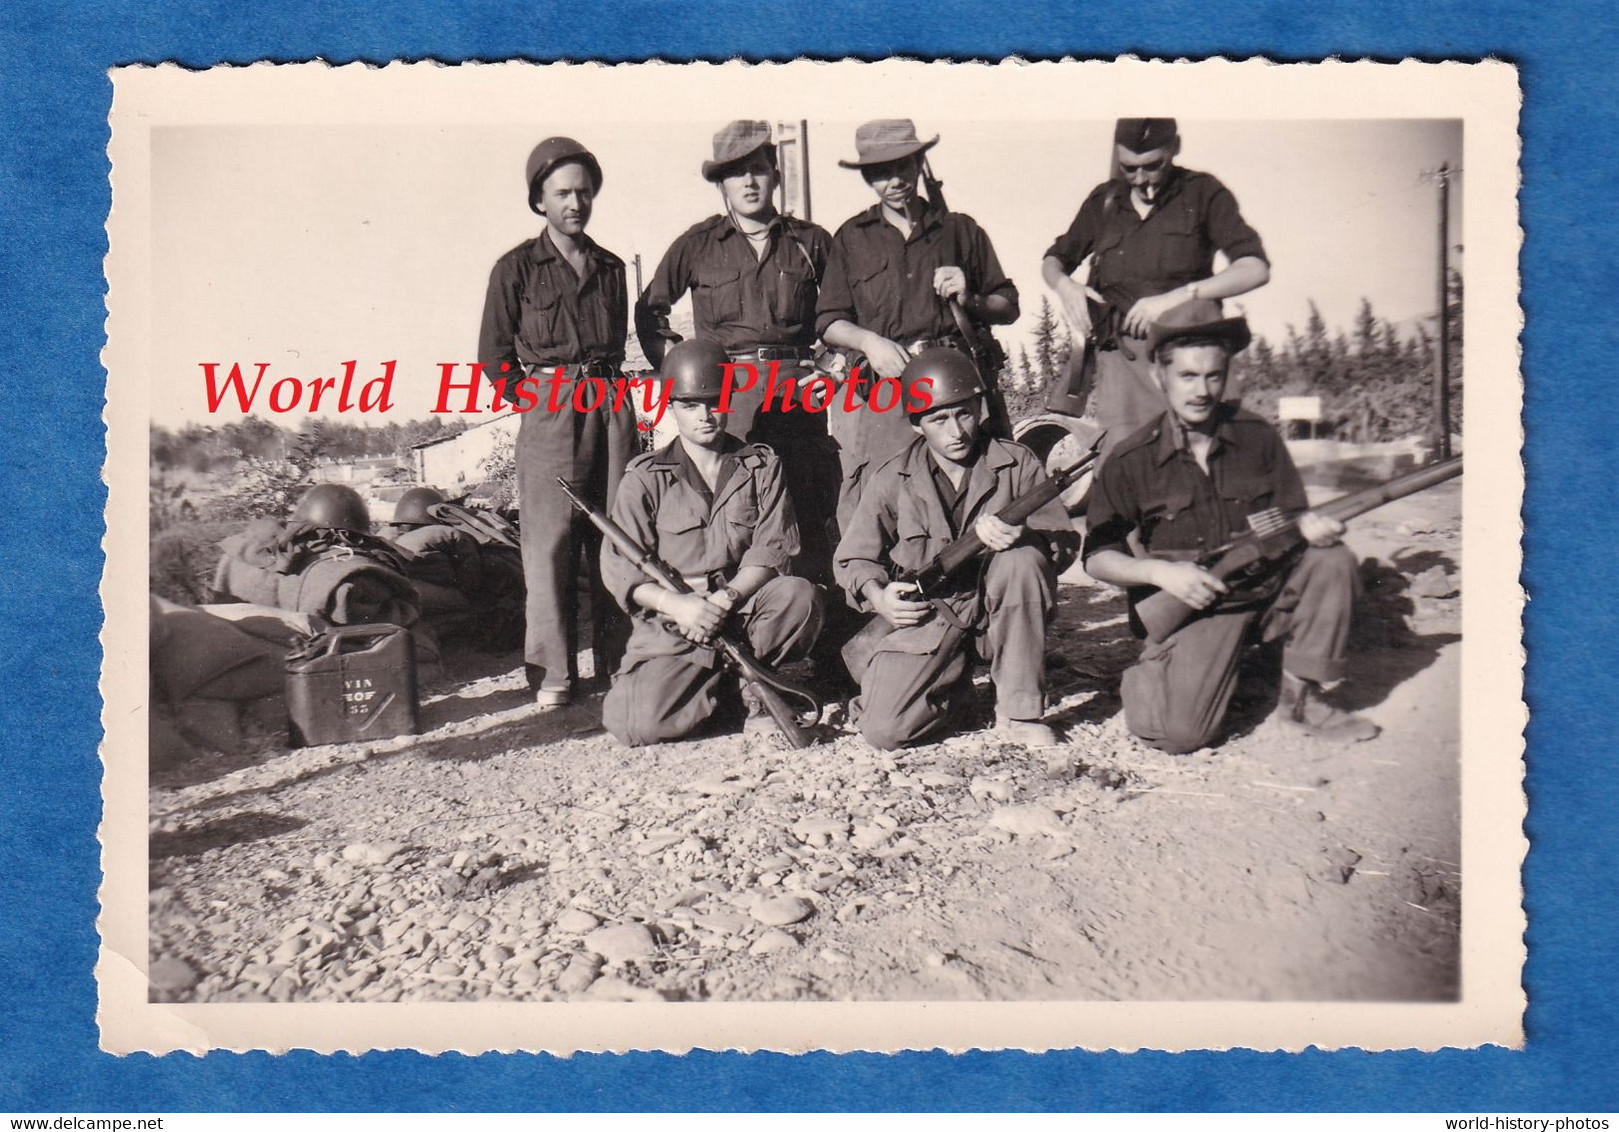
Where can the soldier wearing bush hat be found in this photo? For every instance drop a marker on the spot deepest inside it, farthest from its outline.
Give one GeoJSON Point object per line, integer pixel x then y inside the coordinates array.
{"type": "Point", "coordinates": [753, 274]}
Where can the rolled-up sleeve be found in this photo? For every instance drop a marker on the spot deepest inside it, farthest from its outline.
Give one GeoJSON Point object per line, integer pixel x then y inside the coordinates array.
{"type": "Point", "coordinates": [497, 333]}
{"type": "Point", "coordinates": [836, 300]}
{"type": "Point", "coordinates": [775, 539]}
{"type": "Point", "coordinates": [669, 282]}
{"type": "Point", "coordinates": [985, 266]}
{"type": "Point", "coordinates": [1228, 231]}
{"type": "Point", "coordinates": [1112, 513]}
{"type": "Point", "coordinates": [1071, 248]}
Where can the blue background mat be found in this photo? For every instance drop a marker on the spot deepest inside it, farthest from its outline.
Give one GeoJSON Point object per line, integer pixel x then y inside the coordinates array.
{"type": "Point", "coordinates": [54, 97]}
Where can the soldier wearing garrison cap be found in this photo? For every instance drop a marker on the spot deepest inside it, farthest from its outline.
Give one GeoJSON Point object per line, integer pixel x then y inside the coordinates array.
{"type": "Point", "coordinates": [753, 275]}
{"type": "Point", "coordinates": [1149, 235]}
{"type": "Point", "coordinates": [894, 272]}
{"type": "Point", "coordinates": [950, 479]}
{"type": "Point", "coordinates": [559, 301]}
{"type": "Point", "coordinates": [1179, 487]}
{"type": "Point", "coordinates": [717, 511]}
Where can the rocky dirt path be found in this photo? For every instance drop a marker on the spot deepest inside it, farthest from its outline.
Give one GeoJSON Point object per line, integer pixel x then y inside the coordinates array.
{"type": "Point", "coordinates": [506, 854]}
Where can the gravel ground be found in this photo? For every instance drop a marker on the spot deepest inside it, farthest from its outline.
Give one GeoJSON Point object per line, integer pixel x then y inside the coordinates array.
{"type": "Point", "coordinates": [510, 854]}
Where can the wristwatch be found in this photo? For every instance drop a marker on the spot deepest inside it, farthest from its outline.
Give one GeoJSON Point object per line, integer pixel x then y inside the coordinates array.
{"type": "Point", "coordinates": [732, 598]}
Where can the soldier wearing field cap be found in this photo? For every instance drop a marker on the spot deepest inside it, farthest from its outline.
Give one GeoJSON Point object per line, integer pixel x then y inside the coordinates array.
{"type": "Point", "coordinates": [560, 301]}
{"type": "Point", "coordinates": [950, 479]}
{"type": "Point", "coordinates": [753, 275]}
{"type": "Point", "coordinates": [1150, 234]}
{"type": "Point", "coordinates": [1185, 484]}
{"type": "Point", "coordinates": [894, 271]}
{"type": "Point", "coordinates": [716, 510]}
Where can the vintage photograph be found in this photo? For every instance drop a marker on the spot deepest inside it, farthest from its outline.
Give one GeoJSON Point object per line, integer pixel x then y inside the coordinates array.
{"type": "Point", "coordinates": [831, 555]}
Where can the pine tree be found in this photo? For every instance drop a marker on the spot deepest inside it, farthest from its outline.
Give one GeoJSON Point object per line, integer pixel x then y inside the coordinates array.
{"type": "Point", "coordinates": [1045, 344]}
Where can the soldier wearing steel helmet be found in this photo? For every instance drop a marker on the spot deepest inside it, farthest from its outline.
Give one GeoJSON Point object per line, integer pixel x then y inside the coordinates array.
{"type": "Point", "coordinates": [560, 301]}
{"type": "Point", "coordinates": [950, 479]}
{"type": "Point", "coordinates": [716, 510]}
{"type": "Point", "coordinates": [445, 564]}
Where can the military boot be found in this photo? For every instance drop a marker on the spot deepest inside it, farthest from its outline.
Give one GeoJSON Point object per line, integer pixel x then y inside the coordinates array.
{"type": "Point", "coordinates": [1302, 709]}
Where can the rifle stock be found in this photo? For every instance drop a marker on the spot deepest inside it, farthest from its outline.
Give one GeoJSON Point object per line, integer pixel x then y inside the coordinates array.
{"type": "Point", "coordinates": [765, 684]}
{"type": "Point", "coordinates": [1162, 613]}
{"type": "Point", "coordinates": [931, 581]}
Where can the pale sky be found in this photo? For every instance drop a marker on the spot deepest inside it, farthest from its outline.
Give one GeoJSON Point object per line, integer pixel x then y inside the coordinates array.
{"type": "Point", "coordinates": [307, 246]}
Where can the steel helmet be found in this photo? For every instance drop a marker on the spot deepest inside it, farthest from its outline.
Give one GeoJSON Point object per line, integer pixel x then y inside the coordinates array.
{"type": "Point", "coordinates": [412, 506]}
{"type": "Point", "coordinates": [697, 369]}
{"type": "Point", "coordinates": [951, 374]}
{"type": "Point", "coordinates": [333, 506]}
{"type": "Point", "coordinates": [553, 152]}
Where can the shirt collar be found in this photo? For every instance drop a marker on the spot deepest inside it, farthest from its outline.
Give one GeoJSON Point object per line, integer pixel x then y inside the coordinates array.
{"type": "Point", "coordinates": [932, 216]}
{"type": "Point", "coordinates": [545, 251]}
{"type": "Point", "coordinates": [728, 228]}
{"type": "Point", "coordinates": [1172, 436]}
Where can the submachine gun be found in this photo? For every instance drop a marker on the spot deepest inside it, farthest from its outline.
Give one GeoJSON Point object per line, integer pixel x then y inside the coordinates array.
{"type": "Point", "coordinates": [935, 579]}
{"type": "Point", "coordinates": [767, 685]}
{"type": "Point", "coordinates": [1275, 538]}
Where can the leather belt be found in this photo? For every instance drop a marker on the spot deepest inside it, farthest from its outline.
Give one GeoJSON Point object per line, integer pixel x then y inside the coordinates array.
{"type": "Point", "coordinates": [774, 354]}
{"type": "Point", "coordinates": [954, 341]}
{"type": "Point", "coordinates": [595, 367]}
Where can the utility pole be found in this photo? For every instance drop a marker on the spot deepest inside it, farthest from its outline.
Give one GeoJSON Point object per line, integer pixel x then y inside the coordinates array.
{"type": "Point", "coordinates": [1441, 386]}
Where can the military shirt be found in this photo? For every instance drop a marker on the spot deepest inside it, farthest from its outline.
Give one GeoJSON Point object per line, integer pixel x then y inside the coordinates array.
{"type": "Point", "coordinates": [739, 300]}
{"type": "Point", "coordinates": [538, 312]}
{"type": "Point", "coordinates": [663, 505]}
{"type": "Point", "coordinates": [901, 523]}
{"type": "Point", "coordinates": [1194, 217]}
{"type": "Point", "coordinates": [1153, 485]}
{"type": "Point", "coordinates": [882, 281]}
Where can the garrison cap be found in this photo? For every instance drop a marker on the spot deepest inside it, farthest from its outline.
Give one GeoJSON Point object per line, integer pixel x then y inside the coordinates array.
{"type": "Point", "coordinates": [1199, 319]}
{"type": "Point", "coordinates": [553, 152]}
{"type": "Point", "coordinates": [1143, 135]}
{"type": "Point", "coordinates": [734, 142]}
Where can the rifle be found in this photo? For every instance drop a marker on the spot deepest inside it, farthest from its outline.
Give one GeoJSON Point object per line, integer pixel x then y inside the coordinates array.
{"type": "Point", "coordinates": [1274, 538]}
{"type": "Point", "coordinates": [932, 581]}
{"type": "Point", "coordinates": [986, 351]}
{"type": "Point", "coordinates": [767, 685]}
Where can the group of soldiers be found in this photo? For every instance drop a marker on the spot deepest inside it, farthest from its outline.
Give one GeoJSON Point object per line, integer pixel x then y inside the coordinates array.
{"type": "Point", "coordinates": [789, 524]}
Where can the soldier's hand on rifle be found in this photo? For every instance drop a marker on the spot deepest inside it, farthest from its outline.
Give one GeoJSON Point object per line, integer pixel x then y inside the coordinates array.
{"type": "Point", "coordinates": [888, 358]}
{"type": "Point", "coordinates": [697, 618]}
{"type": "Point", "coordinates": [950, 283]}
{"type": "Point", "coordinates": [1148, 311]}
{"type": "Point", "coordinates": [1189, 583]}
{"type": "Point", "coordinates": [1320, 530]}
{"type": "Point", "coordinates": [896, 604]}
{"type": "Point", "coordinates": [997, 533]}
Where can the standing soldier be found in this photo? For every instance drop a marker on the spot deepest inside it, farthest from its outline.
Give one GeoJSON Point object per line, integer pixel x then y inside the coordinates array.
{"type": "Point", "coordinates": [1151, 232]}
{"type": "Point", "coordinates": [950, 479]}
{"type": "Point", "coordinates": [1185, 484]}
{"type": "Point", "coordinates": [559, 302]}
{"type": "Point", "coordinates": [716, 511]}
{"type": "Point", "coordinates": [753, 275]}
{"type": "Point", "coordinates": [894, 272]}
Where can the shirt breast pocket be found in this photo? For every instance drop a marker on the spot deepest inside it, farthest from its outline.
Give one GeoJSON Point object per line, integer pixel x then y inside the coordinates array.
{"type": "Point", "coordinates": [874, 298]}
{"type": "Point", "coordinates": [717, 297]}
{"type": "Point", "coordinates": [1167, 521]}
{"type": "Point", "coordinates": [1181, 254]}
{"type": "Point", "coordinates": [543, 318]}
{"type": "Point", "coordinates": [1244, 495]}
{"type": "Point", "coordinates": [795, 293]}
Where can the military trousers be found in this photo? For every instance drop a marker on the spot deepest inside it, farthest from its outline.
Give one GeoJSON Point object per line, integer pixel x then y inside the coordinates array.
{"type": "Point", "coordinates": [657, 698]}
{"type": "Point", "coordinates": [1127, 393]}
{"type": "Point", "coordinates": [590, 451]}
{"type": "Point", "coordinates": [908, 697]}
{"type": "Point", "coordinates": [1176, 694]}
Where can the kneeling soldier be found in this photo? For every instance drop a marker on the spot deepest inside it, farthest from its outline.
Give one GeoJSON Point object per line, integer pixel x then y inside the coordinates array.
{"type": "Point", "coordinates": [952, 478]}
{"type": "Point", "coordinates": [716, 510]}
{"type": "Point", "coordinates": [1184, 485]}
